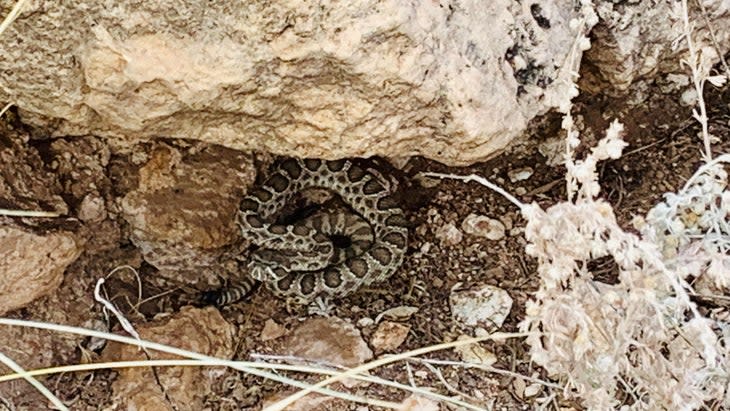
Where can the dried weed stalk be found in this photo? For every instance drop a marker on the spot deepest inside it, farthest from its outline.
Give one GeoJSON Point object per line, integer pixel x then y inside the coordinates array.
{"type": "Point", "coordinates": [639, 342]}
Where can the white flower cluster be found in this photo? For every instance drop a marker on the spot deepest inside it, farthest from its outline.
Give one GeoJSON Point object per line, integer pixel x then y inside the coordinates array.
{"type": "Point", "coordinates": [692, 228]}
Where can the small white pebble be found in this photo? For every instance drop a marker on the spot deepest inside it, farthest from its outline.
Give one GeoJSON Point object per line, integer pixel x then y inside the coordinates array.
{"type": "Point", "coordinates": [520, 174]}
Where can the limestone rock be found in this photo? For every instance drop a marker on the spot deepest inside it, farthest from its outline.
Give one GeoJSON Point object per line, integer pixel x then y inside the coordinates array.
{"type": "Point", "coordinates": [448, 234]}
{"type": "Point", "coordinates": [453, 82]}
{"type": "Point", "coordinates": [183, 211]}
{"type": "Point", "coordinates": [32, 265]}
{"type": "Point", "coordinates": [638, 40]}
{"type": "Point", "coordinates": [200, 330]}
{"type": "Point", "coordinates": [485, 306]}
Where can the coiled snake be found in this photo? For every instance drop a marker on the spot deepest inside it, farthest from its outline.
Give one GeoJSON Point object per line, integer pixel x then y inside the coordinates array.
{"type": "Point", "coordinates": [328, 254]}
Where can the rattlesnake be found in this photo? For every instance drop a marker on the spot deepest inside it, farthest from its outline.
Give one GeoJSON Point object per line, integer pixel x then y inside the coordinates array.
{"type": "Point", "coordinates": [328, 254]}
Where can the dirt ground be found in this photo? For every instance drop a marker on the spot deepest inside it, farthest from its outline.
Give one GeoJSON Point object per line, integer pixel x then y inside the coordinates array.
{"type": "Point", "coordinates": [664, 150]}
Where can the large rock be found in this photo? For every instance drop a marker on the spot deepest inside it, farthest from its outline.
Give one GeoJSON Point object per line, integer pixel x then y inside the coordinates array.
{"type": "Point", "coordinates": [640, 40]}
{"type": "Point", "coordinates": [451, 81]}
{"type": "Point", "coordinates": [182, 213]}
{"type": "Point", "coordinates": [172, 388]}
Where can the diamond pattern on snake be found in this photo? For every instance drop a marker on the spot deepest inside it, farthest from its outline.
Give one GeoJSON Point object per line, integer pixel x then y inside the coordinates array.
{"type": "Point", "coordinates": [327, 254]}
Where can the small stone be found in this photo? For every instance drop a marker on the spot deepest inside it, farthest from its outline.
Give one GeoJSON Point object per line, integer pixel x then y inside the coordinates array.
{"type": "Point", "coordinates": [448, 234]}
{"type": "Point", "coordinates": [329, 340]}
{"type": "Point", "coordinates": [506, 221]}
{"type": "Point", "coordinates": [425, 248]}
{"type": "Point", "coordinates": [272, 330]}
{"type": "Point", "coordinates": [389, 336]}
{"type": "Point", "coordinates": [520, 191]}
{"type": "Point", "coordinates": [313, 401]}
{"type": "Point", "coordinates": [486, 306]}
{"type": "Point", "coordinates": [518, 385]}
{"type": "Point", "coordinates": [400, 313]}
{"type": "Point", "coordinates": [417, 403]}
{"type": "Point", "coordinates": [688, 97]}
{"type": "Point", "coordinates": [365, 322]}
{"type": "Point", "coordinates": [92, 209]}
{"type": "Point", "coordinates": [532, 390]}
{"type": "Point", "coordinates": [520, 174]}
{"type": "Point", "coordinates": [483, 226]}
{"type": "Point", "coordinates": [553, 149]}
{"type": "Point", "coordinates": [474, 353]}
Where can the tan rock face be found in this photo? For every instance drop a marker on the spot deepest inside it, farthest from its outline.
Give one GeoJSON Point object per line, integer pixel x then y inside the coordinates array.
{"type": "Point", "coordinates": [32, 265]}
{"type": "Point", "coordinates": [183, 211]}
{"type": "Point", "coordinates": [203, 331]}
{"type": "Point", "coordinates": [328, 79]}
{"type": "Point", "coordinates": [638, 40]}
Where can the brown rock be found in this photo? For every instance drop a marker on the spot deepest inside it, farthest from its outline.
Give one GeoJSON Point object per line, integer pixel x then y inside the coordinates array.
{"type": "Point", "coordinates": [200, 330]}
{"type": "Point", "coordinates": [389, 336]}
{"type": "Point", "coordinates": [25, 183]}
{"type": "Point", "coordinates": [32, 265]}
{"type": "Point", "coordinates": [183, 211]}
{"type": "Point", "coordinates": [272, 330]}
{"type": "Point", "coordinates": [329, 340]}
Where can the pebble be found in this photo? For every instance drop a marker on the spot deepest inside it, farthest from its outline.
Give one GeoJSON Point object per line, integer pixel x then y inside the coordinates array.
{"type": "Point", "coordinates": [474, 353]}
{"type": "Point", "coordinates": [417, 403]}
{"type": "Point", "coordinates": [365, 322]}
{"type": "Point", "coordinates": [389, 336]}
{"type": "Point", "coordinates": [483, 226]}
{"type": "Point", "coordinates": [485, 306]}
{"type": "Point", "coordinates": [448, 234]}
{"type": "Point", "coordinates": [520, 174]}
{"type": "Point", "coordinates": [272, 330]}
{"type": "Point", "coordinates": [400, 313]}
{"type": "Point", "coordinates": [92, 209]}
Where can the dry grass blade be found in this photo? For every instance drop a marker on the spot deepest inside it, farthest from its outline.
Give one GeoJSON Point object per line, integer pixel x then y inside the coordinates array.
{"type": "Point", "coordinates": [35, 383]}
{"type": "Point", "coordinates": [387, 360]}
{"type": "Point", "coordinates": [233, 364]}
{"type": "Point", "coordinates": [26, 213]}
{"type": "Point", "coordinates": [6, 108]}
{"type": "Point", "coordinates": [10, 18]}
{"type": "Point", "coordinates": [189, 354]}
